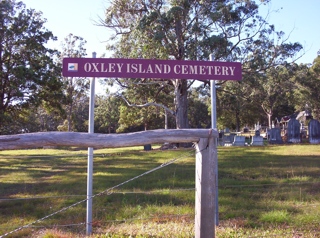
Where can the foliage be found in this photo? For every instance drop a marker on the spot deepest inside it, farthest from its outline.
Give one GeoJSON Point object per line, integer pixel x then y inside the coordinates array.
{"type": "Point", "coordinates": [28, 74]}
{"type": "Point", "coordinates": [107, 114]}
{"type": "Point", "coordinates": [274, 89]}
{"type": "Point", "coordinates": [74, 88]}
{"type": "Point", "coordinates": [308, 81]}
{"type": "Point", "coordinates": [79, 116]}
{"type": "Point", "coordinates": [198, 113]}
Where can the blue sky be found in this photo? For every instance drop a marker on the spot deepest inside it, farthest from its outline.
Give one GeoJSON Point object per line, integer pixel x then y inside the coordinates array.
{"type": "Point", "coordinates": [298, 19]}
{"type": "Point", "coordinates": [77, 17]}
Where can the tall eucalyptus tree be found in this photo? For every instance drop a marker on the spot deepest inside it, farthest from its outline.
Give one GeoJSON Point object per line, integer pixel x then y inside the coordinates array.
{"type": "Point", "coordinates": [28, 73]}
{"type": "Point", "coordinates": [74, 88]}
{"type": "Point", "coordinates": [182, 30]}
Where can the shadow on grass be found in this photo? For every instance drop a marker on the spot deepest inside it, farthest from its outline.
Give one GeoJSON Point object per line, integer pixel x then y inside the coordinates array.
{"type": "Point", "coordinates": [36, 175]}
{"type": "Point", "coordinates": [266, 185]}
{"type": "Point", "coordinates": [262, 186]}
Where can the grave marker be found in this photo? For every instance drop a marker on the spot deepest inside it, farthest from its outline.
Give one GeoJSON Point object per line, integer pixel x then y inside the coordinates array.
{"type": "Point", "coordinates": [239, 141]}
{"type": "Point", "coordinates": [274, 135]}
{"type": "Point", "coordinates": [257, 139]}
{"type": "Point", "coordinates": [293, 131]}
{"type": "Point", "coordinates": [314, 131]}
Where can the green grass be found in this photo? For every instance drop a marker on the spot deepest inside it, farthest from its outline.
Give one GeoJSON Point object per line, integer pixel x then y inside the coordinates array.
{"type": "Point", "coordinates": [263, 191]}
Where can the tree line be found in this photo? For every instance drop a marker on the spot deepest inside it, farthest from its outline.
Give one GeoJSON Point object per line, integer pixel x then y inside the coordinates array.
{"type": "Point", "coordinates": [34, 96]}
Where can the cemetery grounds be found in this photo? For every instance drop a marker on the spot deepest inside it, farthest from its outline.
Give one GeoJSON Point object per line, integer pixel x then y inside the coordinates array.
{"type": "Point", "coordinates": [264, 191]}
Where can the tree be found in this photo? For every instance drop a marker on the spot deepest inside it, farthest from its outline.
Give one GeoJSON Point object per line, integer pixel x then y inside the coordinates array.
{"type": "Point", "coordinates": [314, 97]}
{"type": "Point", "coordinates": [107, 113]}
{"type": "Point", "coordinates": [198, 112]}
{"type": "Point", "coordinates": [234, 106]}
{"type": "Point", "coordinates": [79, 117]}
{"type": "Point", "coordinates": [277, 89]}
{"type": "Point", "coordinates": [36, 118]}
{"type": "Point", "coordinates": [183, 30]}
{"type": "Point", "coordinates": [307, 91]}
{"type": "Point", "coordinates": [28, 73]}
{"type": "Point", "coordinates": [73, 88]}
{"type": "Point", "coordinates": [268, 67]}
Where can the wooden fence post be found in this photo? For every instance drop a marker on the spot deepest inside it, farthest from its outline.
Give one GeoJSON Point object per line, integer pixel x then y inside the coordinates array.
{"type": "Point", "coordinates": [205, 188]}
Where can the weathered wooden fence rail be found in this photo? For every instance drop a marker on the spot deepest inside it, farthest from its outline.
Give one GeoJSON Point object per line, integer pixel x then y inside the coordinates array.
{"type": "Point", "coordinates": [40, 139]}
{"type": "Point", "coordinates": [206, 152]}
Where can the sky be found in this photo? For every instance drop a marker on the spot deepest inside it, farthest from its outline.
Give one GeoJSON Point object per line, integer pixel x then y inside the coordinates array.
{"type": "Point", "coordinates": [298, 19]}
{"type": "Point", "coordinates": [78, 17]}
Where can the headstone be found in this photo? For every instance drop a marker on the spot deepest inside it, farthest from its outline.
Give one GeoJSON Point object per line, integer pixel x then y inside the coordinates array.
{"type": "Point", "coordinates": [239, 141]}
{"type": "Point", "coordinates": [221, 133]}
{"type": "Point", "coordinates": [228, 140]}
{"type": "Point", "coordinates": [168, 146]}
{"type": "Point", "coordinates": [220, 140]}
{"type": "Point", "coordinates": [257, 140]}
{"type": "Point", "coordinates": [274, 135]}
{"type": "Point", "coordinates": [293, 131]}
{"type": "Point", "coordinates": [147, 147]}
{"type": "Point", "coordinates": [314, 131]}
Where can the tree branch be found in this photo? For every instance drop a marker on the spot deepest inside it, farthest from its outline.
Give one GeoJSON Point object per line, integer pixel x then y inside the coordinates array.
{"type": "Point", "coordinates": [148, 105]}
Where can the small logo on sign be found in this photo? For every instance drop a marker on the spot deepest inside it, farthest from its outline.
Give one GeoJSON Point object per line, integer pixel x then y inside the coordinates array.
{"type": "Point", "coordinates": [73, 67]}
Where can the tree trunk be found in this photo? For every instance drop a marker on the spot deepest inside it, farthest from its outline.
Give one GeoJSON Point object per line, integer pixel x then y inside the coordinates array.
{"type": "Point", "coordinates": [69, 117]}
{"type": "Point", "coordinates": [70, 95]}
{"type": "Point", "coordinates": [237, 121]}
{"type": "Point", "coordinates": [269, 113]}
{"type": "Point", "coordinates": [181, 103]}
{"type": "Point", "coordinates": [165, 119]}
{"type": "Point", "coordinates": [269, 120]}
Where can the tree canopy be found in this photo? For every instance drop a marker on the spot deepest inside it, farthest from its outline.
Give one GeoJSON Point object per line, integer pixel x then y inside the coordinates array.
{"type": "Point", "coordinates": [28, 73]}
{"type": "Point", "coordinates": [74, 88]}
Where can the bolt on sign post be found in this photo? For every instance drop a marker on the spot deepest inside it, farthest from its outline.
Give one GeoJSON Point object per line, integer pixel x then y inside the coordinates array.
{"type": "Point", "coordinates": [164, 69]}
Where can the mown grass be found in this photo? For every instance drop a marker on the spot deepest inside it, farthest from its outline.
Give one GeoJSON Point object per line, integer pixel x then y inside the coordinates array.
{"type": "Point", "coordinates": [263, 192]}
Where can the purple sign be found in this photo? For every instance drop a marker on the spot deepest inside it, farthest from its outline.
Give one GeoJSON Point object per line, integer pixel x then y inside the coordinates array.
{"type": "Point", "coordinates": [146, 68]}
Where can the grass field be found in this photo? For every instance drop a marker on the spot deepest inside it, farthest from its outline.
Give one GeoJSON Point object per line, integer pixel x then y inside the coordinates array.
{"type": "Point", "coordinates": [271, 191]}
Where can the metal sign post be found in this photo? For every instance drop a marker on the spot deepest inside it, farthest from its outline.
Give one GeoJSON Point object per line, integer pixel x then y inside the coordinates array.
{"type": "Point", "coordinates": [90, 157]}
{"type": "Point", "coordinates": [214, 126]}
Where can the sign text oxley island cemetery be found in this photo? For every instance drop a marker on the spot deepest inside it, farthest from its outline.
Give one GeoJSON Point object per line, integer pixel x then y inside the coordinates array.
{"type": "Point", "coordinates": [146, 68]}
